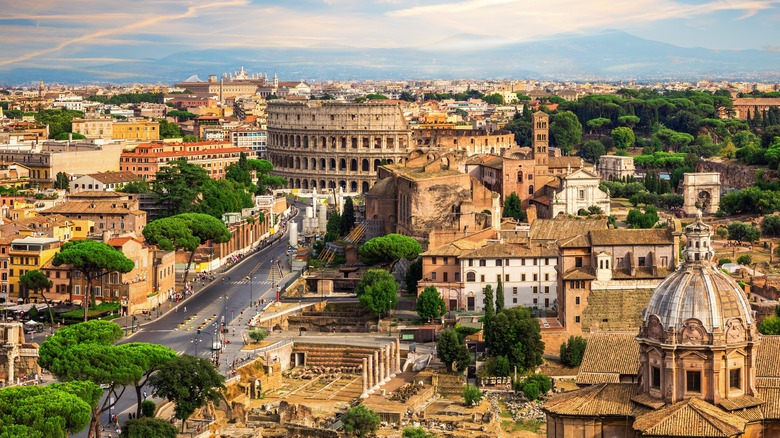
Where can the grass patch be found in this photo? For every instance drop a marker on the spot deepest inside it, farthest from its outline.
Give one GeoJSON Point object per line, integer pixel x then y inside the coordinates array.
{"type": "Point", "coordinates": [525, 425]}
{"type": "Point", "coordinates": [102, 310]}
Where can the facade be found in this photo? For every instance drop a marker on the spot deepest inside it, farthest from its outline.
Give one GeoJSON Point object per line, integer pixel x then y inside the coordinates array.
{"type": "Point", "coordinates": [94, 127]}
{"type": "Point", "coordinates": [616, 167]}
{"type": "Point", "coordinates": [27, 254]}
{"type": "Point", "coordinates": [473, 141]}
{"type": "Point", "coordinates": [213, 156]}
{"type": "Point", "coordinates": [107, 217]}
{"type": "Point", "coordinates": [325, 144]}
{"type": "Point", "coordinates": [701, 191]}
{"type": "Point", "coordinates": [254, 140]}
{"type": "Point", "coordinates": [746, 107]}
{"type": "Point", "coordinates": [138, 130]}
{"type": "Point", "coordinates": [106, 181]}
{"type": "Point", "coordinates": [701, 369]}
{"type": "Point", "coordinates": [578, 191]}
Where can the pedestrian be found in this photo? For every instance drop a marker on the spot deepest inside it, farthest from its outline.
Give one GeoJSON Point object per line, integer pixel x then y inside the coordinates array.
{"type": "Point", "coordinates": [185, 309]}
{"type": "Point", "coordinates": [144, 395]}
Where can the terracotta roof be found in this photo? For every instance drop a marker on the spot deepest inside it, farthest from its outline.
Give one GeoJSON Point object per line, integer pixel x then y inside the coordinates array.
{"type": "Point", "coordinates": [562, 162]}
{"type": "Point", "coordinates": [608, 355]}
{"type": "Point", "coordinates": [507, 250]}
{"type": "Point", "coordinates": [96, 207]}
{"type": "Point", "coordinates": [771, 406]}
{"type": "Point", "coordinates": [745, 401]}
{"type": "Point", "coordinates": [648, 400]}
{"type": "Point", "coordinates": [114, 177]}
{"type": "Point", "coordinates": [768, 357]}
{"type": "Point", "coordinates": [562, 227]}
{"type": "Point", "coordinates": [692, 417]}
{"type": "Point", "coordinates": [622, 236]}
{"type": "Point", "coordinates": [583, 273]}
{"type": "Point", "coordinates": [574, 242]}
{"type": "Point", "coordinates": [97, 193]}
{"type": "Point", "coordinates": [119, 241]}
{"type": "Point", "coordinates": [455, 248]}
{"type": "Point", "coordinates": [604, 399]}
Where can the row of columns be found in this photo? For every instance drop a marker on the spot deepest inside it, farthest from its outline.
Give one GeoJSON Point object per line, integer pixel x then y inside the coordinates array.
{"type": "Point", "coordinates": [380, 367]}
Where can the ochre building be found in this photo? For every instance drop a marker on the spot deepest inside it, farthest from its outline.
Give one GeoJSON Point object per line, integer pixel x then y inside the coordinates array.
{"type": "Point", "coordinates": [325, 144]}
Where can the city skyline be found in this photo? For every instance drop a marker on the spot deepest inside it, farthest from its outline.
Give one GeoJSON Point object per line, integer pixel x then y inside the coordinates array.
{"type": "Point", "coordinates": [56, 35]}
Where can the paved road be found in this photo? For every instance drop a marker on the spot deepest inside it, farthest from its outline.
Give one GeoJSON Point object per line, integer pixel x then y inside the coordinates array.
{"type": "Point", "coordinates": [210, 305]}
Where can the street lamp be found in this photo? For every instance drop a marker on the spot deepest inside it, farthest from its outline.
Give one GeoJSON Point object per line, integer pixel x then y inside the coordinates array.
{"type": "Point", "coordinates": [197, 340]}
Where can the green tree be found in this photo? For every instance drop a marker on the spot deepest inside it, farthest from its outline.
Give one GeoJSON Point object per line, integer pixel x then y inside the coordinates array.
{"type": "Point", "coordinates": [257, 335]}
{"type": "Point", "coordinates": [146, 427]}
{"type": "Point", "coordinates": [386, 249]}
{"type": "Point", "coordinates": [185, 232]}
{"type": "Point", "coordinates": [148, 408]}
{"type": "Point", "coordinates": [471, 395]}
{"type": "Point", "coordinates": [347, 218]}
{"type": "Point", "coordinates": [745, 259]}
{"type": "Point", "coordinates": [36, 281]}
{"type": "Point", "coordinates": [770, 225]}
{"type": "Point", "coordinates": [572, 351]}
{"type": "Point", "coordinates": [178, 187]}
{"type": "Point", "coordinates": [499, 296]}
{"type": "Point", "coordinates": [190, 382]}
{"type": "Point", "coordinates": [223, 196]}
{"type": "Point", "coordinates": [168, 129]}
{"type": "Point", "coordinates": [488, 304]}
{"type": "Point", "coordinates": [189, 138]}
{"type": "Point", "coordinates": [407, 96]}
{"type": "Point", "coordinates": [150, 358]}
{"type": "Point", "coordinates": [54, 411]}
{"type": "Point", "coordinates": [59, 120]}
{"type": "Point", "coordinates": [742, 232]}
{"type": "Point", "coordinates": [451, 350]}
{"type": "Point", "coordinates": [416, 432]}
{"type": "Point", "coordinates": [598, 124]}
{"type": "Point", "coordinates": [628, 121]}
{"type": "Point", "coordinates": [69, 136]}
{"type": "Point", "coordinates": [515, 334]}
{"type": "Point", "coordinates": [623, 137]}
{"type": "Point", "coordinates": [566, 130]}
{"type": "Point", "coordinates": [93, 260]}
{"type": "Point", "coordinates": [637, 219]}
{"type": "Point", "coordinates": [86, 352]}
{"type": "Point", "coordinates": [413, 275]}
{"type": "Point", "coordinates": [181, 115]}
{"type": "Point", "coordinates": [494, 99]}
{"type": "Point", "coordinates": [430, 304]}
{"type": "Point", "coordinates": [770, 325]}
{"type": "Point", "coordinates": [377, 291]}
{"type": "Point", "coordinates": [137, 186]}
{"type": "Point", "coordinates": [502, 367]}
{"type": "Point", "coordinates": [592, 150]}
{"type": "Point", "coordinates": [360, 421]}
{"type": "Point", "coordinates": [62, 181]}
{"type": "Point", "coordinates": [513, 208]}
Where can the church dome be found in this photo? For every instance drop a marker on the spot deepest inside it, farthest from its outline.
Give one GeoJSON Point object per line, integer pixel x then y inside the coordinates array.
{"type": "Point", "coordinates": [698, 290]}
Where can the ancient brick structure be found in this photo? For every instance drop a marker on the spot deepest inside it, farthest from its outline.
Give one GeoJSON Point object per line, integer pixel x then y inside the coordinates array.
{"type": "Point", "coordinates": [322, 144]}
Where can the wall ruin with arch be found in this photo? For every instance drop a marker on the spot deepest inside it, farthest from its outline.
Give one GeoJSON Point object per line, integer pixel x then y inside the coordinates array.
{"type": "Point", "coordinates": [701, 191]}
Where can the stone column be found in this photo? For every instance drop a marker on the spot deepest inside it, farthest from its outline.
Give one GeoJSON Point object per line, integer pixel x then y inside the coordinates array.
{"type": "Point", "coordinates": [382, 369]}
{"type": "Point", "coordinates": [391, 362]}
{"type": "Point", "coordinates": [388, 356]}
{"type": "Point", "coordinates": [376, 369]}
{"type": "Point", "coordinates": [370, 372]}
{"type": "Point", "coordinates": [364, 394]}
{"type": "Point", "coordinates": [397, 356]}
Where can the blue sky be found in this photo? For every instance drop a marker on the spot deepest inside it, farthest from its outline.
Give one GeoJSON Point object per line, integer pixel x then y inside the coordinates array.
{"type": "Point", "coordinates": [55, 33]}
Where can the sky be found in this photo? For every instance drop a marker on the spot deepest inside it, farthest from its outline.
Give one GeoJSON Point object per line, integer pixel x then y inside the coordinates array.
{"type": "Point", "coordinates": [57, 33]}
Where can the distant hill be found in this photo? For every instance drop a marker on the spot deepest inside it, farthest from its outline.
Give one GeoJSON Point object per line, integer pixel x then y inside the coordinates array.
{"type": "Point", "coordinates": [611, 55]}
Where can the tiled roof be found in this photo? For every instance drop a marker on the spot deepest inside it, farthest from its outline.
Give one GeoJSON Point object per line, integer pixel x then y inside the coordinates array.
{"type": "Point", "coordinates": [605, 399]}
{"type": "Point", "coordinates": [622, 236]}
{"type": "Point", "coordinates": [647, 400]}
{"type": "Point", "coordinates": [692, 418]}
{"type": "Point", "coordinates": [456, 248]}
{"type": "Point", "coordinates": [96, 207]}
{"type": "Point", "coordinates": [608, 355]}
{"type": "Point", "coordinates": [114, 177]}
{"type": "Point", "coordinates": [771, 406]}
{"type": "Point", "coordinates": [507, 250]}
{"type": "Point", "coordinates": [745, 401]}
{"type": "Point", "coordinates": [562, 227]}
{"type": "Point", "coordinates": [562, 162]}
{"type": "Point", "coordinates": [574, 242]}
{"type": "Point", "coordinates": [768, 357]}
{"type": "Point", "coordinates": [584, 273]}
{"type": "Point", "coordinates": [96, 194]}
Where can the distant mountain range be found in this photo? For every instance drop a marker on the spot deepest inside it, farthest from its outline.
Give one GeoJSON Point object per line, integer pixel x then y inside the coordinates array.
{"type": "Point", "coordinates": [607, 56]}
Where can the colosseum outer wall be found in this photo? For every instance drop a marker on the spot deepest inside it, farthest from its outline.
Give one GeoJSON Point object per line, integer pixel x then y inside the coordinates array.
{"type": "Point", "coordinates": [326, 144]}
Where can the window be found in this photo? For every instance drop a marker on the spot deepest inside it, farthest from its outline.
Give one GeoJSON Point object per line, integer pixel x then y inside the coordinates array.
{"type": "Point", "coordinates": [577, 300]}
{"type": "Point", "coordinates": [522, 277]}
{"type": "Point", "coordinates": [577, 319]}
{"type": "Point", "coordinates": [578, 262]}
{"type": "Point", "coordinates": [471, 262]}
{"type": "Point", "coordinates": [445, 276]}
{"type": "Point", "coordinates": [498, 262]}
{"type": "Point", "coordinates": [534, 262]}
{"type": "Point", "coordinates": [522, 262]}
{"type": "Point", "coordinates": [482, 278]}
{"type": "Point", "coordinates": [693, 381]}
{"type": "Point", "coordinates": [641, 261]}
{"type": "Point", "coordinates": [546, 277]}
{"type": "Point", "coordinates": [514, 291]}
{"type": "Point", "coordinates": [446, 260]}
{"type": "Point", "coordinates": [546, 261]}
{"type": "Point", "coordinates": [457, 276]}
{"type": "Point", "coordinates": [547, 289]}
{"type": "Point", "coordinates": [514, 300]}
{"type": "Point", "coordinates": [498, 278]}
{"type": "Point", "coordinates": [655, 381]}
{"type": "Point", "coordinates": [536, 289]}
{"type": "Point", "coordinates": [471, 277]}
{"type": "Point", "coordinates": [506, 277]}
{"type": "Point", "coordinates": [433, 260]}
{"type": "Point", "coordinates": [77, 290]}
{"type": "Point", "coordinates": [735, 379]}
{"type": "Point", "coordinates": [536, 301]}
{"type": "Point", "coordinates": [433, 276]}
{"type": "Point", "coordinates": [483, 262]}
{"type": "Point", "coordinates": [536, 277]}
{"type": "Point", "coordinates": [582, 194]}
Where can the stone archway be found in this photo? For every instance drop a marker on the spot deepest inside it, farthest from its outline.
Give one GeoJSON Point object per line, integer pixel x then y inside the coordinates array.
{"type": "Point", "coordinates": [701, 191]}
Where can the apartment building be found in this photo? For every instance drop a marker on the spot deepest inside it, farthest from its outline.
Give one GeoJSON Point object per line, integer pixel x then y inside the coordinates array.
{"type": "Point", "coordinates": [213, 156]}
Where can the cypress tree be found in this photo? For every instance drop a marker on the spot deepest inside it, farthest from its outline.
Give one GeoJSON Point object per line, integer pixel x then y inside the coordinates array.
{"type": "Point", "coordinates": [499, 296]}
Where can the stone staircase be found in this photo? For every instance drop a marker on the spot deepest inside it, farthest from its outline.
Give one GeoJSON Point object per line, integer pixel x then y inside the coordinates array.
{"type": "Point", "coordinates": [450, 384]}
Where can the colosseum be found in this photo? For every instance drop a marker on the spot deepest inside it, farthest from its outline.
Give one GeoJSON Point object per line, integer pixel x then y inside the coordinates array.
{"type": "Point", "coordinates": [326, 144]}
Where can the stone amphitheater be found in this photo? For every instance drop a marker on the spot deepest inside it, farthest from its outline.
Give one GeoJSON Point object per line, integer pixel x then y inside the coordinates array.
{"type": "Point", "coordinates": [327, 144]}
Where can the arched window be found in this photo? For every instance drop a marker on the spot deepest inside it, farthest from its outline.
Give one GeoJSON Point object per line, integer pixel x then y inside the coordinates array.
{"type": "Point", "coordinates": [519, 176]}
{"type": "Point", "coordinates": [530, 190]}
{"type": "Point", "coordinates": [471, 277]}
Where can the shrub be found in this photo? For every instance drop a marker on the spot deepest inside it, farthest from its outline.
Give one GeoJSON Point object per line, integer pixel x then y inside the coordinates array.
{"type": "Point", "coordinates": [531, 390]}
{"type": "Point", "coordinates": [572, 351]}
{"type": "Point", "coordinates": [472, 395]}
{"type": "Point", "coordinates": [502, 366]}
{"type": "Point", "coordinates": [745, 259]}
{"type": "Point", "coordinates": [723, 261]}
{"type": "Point", "coordinates": [258, 335]}
{"type": "Point", "coordinates": [148, 408]}
{"type": "Point", "coordinates": [543, 381]}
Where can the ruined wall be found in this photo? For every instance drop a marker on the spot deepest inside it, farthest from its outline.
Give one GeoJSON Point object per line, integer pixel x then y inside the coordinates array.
{"type": "Point", "coordinates": [733, 174]}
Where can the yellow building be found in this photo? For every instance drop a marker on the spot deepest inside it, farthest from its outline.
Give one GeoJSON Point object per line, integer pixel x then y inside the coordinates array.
{"type": "Point", "coordinates": [97, 127]}
{"type": "Point", "coordinates": [27, 254]}
{"type": "Point", "coordinates": [137, 130]}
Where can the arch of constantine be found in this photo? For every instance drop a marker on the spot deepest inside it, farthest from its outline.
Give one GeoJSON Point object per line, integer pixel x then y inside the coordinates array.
{"type": "Point", "coordinates": [326, 144]}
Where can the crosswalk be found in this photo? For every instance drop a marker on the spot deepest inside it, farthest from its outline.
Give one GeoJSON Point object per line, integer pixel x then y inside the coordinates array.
{"type": "Point", "coordinates": [246, 282]}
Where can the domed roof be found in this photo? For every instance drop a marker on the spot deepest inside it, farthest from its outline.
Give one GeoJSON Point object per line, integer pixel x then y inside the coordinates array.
{"type": "Point", "coordinates": [701, 292]}
{"type": "Point", "coordinates": [698, 290]}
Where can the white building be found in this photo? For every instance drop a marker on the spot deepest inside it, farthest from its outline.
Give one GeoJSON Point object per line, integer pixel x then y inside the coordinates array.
{"type": "Point", "coordinates": [252, 139]}
{"type": "Point", "coordinates": [528, 274]}
{"type": "Point", "coordinates": [68, 101]}
{"type": "Point", "coordinates": [106, 181]}
{"type": "Point", "coordinates": [578, 191]}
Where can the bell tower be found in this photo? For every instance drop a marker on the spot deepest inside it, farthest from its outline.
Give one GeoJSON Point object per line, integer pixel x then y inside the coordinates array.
{"type": "Point", "coordinates": [540, 136]}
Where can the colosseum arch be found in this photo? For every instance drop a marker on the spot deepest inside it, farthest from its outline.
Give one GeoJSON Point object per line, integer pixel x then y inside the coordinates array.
{"type": "Point", "coordinates": [343, 164]}
{"type": "Point", "coordinates": [353, 186]}
{"type": "Point", "coordinates": [306, 184]}
{"type": "Point", "coordinates": [364, 166]}
{"type": "Point", "coordinates": [365, 186]}
{"type": "Point", "coordinates": [306, 141]}
{"type": "Point", "coordinates": [332, 164]}
{"type": "Point", "coordinates": [321, 184]}
{"type": "Point", "coordinates": [322, 164]}
{"type": "Point", "coordinates": [332, 184]}
{"type": "Point", "coordinates": [353, 165]}
{"type": "Point", "coordinates": [297, 162]}
{"type": "Point", "coordinates": [377, 163]}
